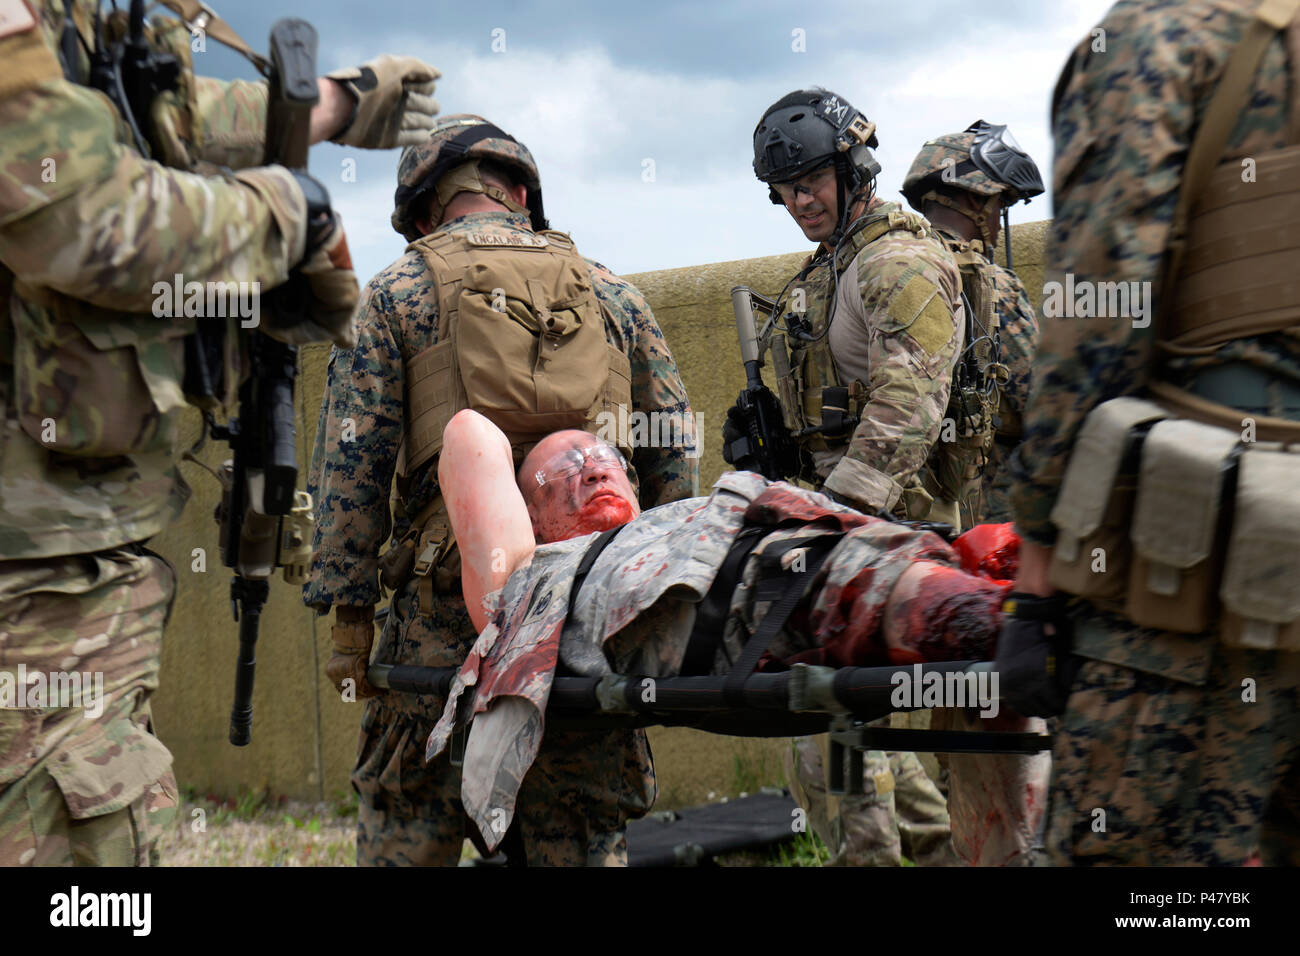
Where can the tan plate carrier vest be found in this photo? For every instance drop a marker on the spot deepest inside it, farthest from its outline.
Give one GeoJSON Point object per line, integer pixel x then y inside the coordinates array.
{"type": "Point", "coordinates": [521, 340]}
{"type": "Point", "coordinates": [1152, 514]}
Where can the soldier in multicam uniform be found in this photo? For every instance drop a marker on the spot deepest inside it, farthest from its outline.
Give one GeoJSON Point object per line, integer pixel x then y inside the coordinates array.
{"type": "Point", "coordinates": [457, 322]}
{"type": "Point", "coordinates": [962, 182]}
{"type": "Point", "coordinates": [1178, 742]}
{"type": "Point", "coordinates": [90, 389]}
{"type": "Point", "coordinates": [864, 365]}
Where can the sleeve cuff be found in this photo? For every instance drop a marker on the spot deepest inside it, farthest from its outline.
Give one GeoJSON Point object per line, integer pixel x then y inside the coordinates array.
{"type": "Point", "coordinates": [861, 483]}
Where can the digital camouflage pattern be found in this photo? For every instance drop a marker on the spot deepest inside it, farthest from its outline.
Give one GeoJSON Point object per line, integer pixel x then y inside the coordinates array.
{"type": "Point", "coordinates": [898, 329]}
{"type": "Point", "coordinates": [1116, 188]}
{"type": "Point", "coordinates": [1018, 334]}
{"type": "Point", "coordinates": [948, 152]}
{"type": "Point", "coordinates": [351, 480]}
{"type": "Point", "coordinates": [76, 788]}
{"type": "Point", "coordinates": [417, 163]}
{"type": "Point", "coordinates": [576, 803]}
{"type": "Point", "coordinates": [1185, 774]}
{"type": "Point", "coordinates": [365, 397]}
{"type": "Point", "coordinates": [1156, 733]}
{"type": "Point", "coordinates": [634, 615]}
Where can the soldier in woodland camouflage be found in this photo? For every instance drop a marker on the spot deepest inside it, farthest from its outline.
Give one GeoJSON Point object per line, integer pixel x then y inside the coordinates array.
{"type": "Point", "coordinates": [481, 213]}
{"type": "Point", "coordinates": [91, 395]}
{"type": "Point", "coordinates": [1176, 746]}
{"type": "Point", "coordinates": [876, 313]}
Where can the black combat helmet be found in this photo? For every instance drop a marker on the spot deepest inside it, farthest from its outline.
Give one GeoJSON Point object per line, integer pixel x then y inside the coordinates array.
{"type": "Point", "coordinates": [805, 130]}
{"type": "Point", "coordinates": [808, 129]}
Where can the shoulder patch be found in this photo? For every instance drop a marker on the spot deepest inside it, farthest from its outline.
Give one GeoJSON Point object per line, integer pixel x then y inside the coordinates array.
{"type": "Point", "coordinates": [919, 309]}
{"type": "Point", "coordinates": [520, 240]}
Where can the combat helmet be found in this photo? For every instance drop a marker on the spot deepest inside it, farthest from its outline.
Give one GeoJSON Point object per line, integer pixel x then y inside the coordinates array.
{"type": "Point", "coordinates": [456, 142]}
{"type": "Point", "coordinates": [808, 129]}
{"type": "Point", "coordinates": [983, 159]}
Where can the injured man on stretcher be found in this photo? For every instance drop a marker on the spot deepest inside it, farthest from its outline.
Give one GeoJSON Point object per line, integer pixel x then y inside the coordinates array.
{"type": "Point", "coordinates": [870, 592]}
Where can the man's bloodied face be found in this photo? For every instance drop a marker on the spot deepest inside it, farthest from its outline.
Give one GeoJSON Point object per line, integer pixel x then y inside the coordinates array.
{"type": "Point", "coordinates": [574, 483]}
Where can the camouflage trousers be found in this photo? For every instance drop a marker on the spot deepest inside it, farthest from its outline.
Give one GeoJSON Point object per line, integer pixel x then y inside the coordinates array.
{"type": "Point", "coordinates": [83, 780]}
{"type": "Point", "coordinates": [1149, 771]}
{"type": "Point", "coordinates": [575, 801]}
{"type": "Point", "coordinates": [899, 813]}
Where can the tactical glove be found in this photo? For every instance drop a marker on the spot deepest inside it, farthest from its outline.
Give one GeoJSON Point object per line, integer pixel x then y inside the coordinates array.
{"type": "Point", "coordinates": [734, 429]}
{"type": "Point", "coordinates": [318, 300]}
{"type": "Point", "coordinates": [1033, 660]}
{"type": "Point", "coordinates": [353, 634]}
{"type": "Point", "coordinates": [394, 102]}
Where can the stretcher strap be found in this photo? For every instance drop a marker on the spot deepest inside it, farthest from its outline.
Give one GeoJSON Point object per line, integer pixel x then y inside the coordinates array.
{"type": "Point", "coordinates": [733, 689]}
{"type": "Point", "coordinates": [588, 561]}
{"type": "Point", "coordinates": [711, 614]}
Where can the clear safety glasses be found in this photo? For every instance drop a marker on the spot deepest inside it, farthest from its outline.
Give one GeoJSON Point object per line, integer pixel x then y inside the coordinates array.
{"type": "Point", "coordinates": [570, 462]}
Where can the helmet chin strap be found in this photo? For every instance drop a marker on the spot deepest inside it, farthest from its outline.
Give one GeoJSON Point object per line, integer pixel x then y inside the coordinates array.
{"type": "Point", "coordinates": [982, 220]}
{"type": "Point", "coordinates": [847, 202]}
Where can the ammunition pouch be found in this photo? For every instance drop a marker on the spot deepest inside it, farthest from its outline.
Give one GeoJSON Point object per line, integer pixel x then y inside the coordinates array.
{"type": "Point", "coordinates": [1181, 522]}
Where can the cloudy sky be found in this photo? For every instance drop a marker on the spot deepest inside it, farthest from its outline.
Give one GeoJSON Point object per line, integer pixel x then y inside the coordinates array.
{"type": "Point", "coordinates": [605, 95]}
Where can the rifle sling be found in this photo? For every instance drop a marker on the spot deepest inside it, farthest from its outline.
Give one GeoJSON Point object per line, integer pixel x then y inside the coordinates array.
{"type": "Point", "coordinates": [200, 17]}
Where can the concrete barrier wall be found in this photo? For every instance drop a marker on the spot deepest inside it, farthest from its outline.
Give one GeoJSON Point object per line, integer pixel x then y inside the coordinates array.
{"type": "Point", "coordinates": [304, 736]}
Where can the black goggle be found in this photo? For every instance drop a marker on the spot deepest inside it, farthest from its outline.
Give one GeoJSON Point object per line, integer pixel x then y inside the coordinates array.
{"type": "Point", "coordinates": [996, 153]}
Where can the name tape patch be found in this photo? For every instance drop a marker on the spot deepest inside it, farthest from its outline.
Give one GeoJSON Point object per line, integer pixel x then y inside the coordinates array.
{"type": "Point", "coordinates": [523, 240]}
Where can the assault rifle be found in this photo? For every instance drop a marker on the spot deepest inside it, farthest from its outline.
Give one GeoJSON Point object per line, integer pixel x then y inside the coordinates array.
{"type": "Point", "coordinates": [763, 444]}
{"type": "Point", "coordinates": [265, 522]}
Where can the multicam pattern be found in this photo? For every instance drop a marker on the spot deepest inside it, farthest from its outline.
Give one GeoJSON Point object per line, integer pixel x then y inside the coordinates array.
{"type": "Point", "coordinates": [86, 229]}
{"type": "Point", "coordinates": [878, 338]}
{"type": "Point", "coordinates": [76, 789]}
{"type": "Point", "coordinates": [86, 238]}
{"type": "Point", "coordinates": [1156, 734]}
{"type": "Point", "coordinates": [899, 804]}
{"type": "Point", "coordinates": [351, 481]}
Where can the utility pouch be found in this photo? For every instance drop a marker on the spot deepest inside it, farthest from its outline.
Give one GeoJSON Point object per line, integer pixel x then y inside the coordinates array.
{"type": "Point", "coordinates": [92, 384]}
{"type": "Point", "coordinates": [396, 563]}
{"type": "Point", "coordinates": [437, 561]}
{"type": "Point", "coordinates": [1093, 511]}
{"type": "Point", "coordinates": [1261, 580]}
{"type": "Point", "coordinates": [1175, 562]}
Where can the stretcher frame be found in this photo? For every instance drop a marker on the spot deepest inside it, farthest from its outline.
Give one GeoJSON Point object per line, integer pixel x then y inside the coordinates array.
{"type": "Point", "coordinates": [807, 699]}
